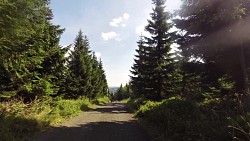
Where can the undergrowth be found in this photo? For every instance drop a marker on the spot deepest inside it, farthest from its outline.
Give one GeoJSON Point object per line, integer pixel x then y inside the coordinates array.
{"type": "Point", "coordinates": [134, 104]}
{"type": "Point", "coordinates": [178, 119]}
{"type": "Point", "coordinates": [20, 121]}
{"type": "Point", "coordinates": [101, 100]}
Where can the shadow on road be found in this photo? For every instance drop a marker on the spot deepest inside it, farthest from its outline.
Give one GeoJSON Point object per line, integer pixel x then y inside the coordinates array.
{"type": "Point", "coordinates": [110, 122]}
{"type": "Point", "coordinates": [97, 131]}
{"type": "Point", "coordinates": [115, 107]}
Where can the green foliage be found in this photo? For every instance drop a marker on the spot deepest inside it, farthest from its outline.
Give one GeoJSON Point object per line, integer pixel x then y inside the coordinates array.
{"type": "Point", "coordinates": [200, 83]}
{"type": "Point", "coordinates": [79, 65]}
{"type": "Point", "coordinates": [202, 78]}
{"type": "Point", "coordinates": [30, 54]}
{"type": "Point", "coordinates": [101, 100]}
{"type": "Point", "coordinates": [122, 92]}
{"type": "Point", "coordinates": [20, 120]}
{"type": "Point", "coordinates": [16, 128]}
{"type": "Point", "coordinates": [134, 104]}
{"type": "Point", "coordinates": [155, 71]}
{"type": "Point", "coordinates": [99, 86]}
{"type": "Point", "coordinates": [205, 21]}
{"type": "Point", "coordinates": [20, 21]}
{"type": "Point", "coordinates": [69, 108]}
{"type": "Point", "coordinates": [85, 76]}
{"type": "Point", "coordinates": [177, 119]}
{"type": "Point", "coordinates": [225, 83]}
{"type": "Point", "coordinates": [147, 107]}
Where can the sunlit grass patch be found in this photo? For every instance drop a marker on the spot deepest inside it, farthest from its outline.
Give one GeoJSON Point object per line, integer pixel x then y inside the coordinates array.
{"type": "Point", "coordinates": [101, 100]}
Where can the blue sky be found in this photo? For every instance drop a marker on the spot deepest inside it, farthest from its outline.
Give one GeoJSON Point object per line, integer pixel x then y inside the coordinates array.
{"type": "Point", "coordinates": [112, 27]}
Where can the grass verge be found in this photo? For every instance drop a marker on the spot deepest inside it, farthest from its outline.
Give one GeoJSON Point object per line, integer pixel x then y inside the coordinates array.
{"type": "Point", "coordinates": [20, 121]}
{"type": "Point", "coordinates": [101, 100]}
{"type": "Point", "coordinates": [178, 119]}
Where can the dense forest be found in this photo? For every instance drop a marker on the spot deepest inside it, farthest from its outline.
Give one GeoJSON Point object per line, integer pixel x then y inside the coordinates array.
{"type": "Point", "coordinates": [34, 65]}
{"type": "Point", "coordinates": [190, 77]}
{"type": "Point", "coordinates": [189, 80]}
{"type": "Point", "coordinates": [38, 77]}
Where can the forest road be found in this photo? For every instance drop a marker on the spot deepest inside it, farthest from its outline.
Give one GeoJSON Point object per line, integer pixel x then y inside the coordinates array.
{"type": "Point", "coordinates": [110, 122]}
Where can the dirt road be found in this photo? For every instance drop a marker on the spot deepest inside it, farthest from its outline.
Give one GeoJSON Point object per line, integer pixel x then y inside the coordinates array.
{"type": "Point", "coordinates": [106, 123]}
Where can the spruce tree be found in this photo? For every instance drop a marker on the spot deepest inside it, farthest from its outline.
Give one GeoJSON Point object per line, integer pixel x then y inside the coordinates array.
{"type": "Point", "coordinates": [119, 93]}
{"type": "Point", "coordinates": [86, 76]}
{"type": "Point", "coordinates": [141, 71]}
{"type": "Point", "coordinates": [80, 69]}
{"type": "Point", "coordinates": [156, 79]}
{"type": "Point", "coordinates": [103, 81]}
{"type": "Point", "coordinates": [53, 65]}
{"type": "Point", "coordinates": [95, 90]}
{"type": "Point", "coordinates": [215, 32]}
{"type": "Point", "coordinates": [26, 39]}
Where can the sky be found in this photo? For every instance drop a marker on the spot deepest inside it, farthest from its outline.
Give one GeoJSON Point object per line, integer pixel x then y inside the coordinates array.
{"type": "Point", "coordinates": [112, 27]}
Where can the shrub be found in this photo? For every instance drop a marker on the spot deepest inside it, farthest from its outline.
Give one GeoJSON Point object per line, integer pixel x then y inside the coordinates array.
{"type": "Point", "coordinates": [16, 121]}
{"type": "Point", "coordinates": [177, 119]}
{"type": "Point", "coordinates": [145, 109]}
{"type": "Point", "coordinates": [19, 120]}
{"type": "Point", "coordinates": [134, 104]}
{"type": "Point", "coordinates": [101, 100]}
{"type": "Point", "coordinates": [17, 128]}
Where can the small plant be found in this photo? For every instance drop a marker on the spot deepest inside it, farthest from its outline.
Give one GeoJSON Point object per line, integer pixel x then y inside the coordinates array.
{"type": "Point", "coordinates": [240, 124]}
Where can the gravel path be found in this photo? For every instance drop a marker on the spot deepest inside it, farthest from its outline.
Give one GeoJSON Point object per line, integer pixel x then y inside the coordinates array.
{"type": "Point", "coordinates": [106, 123]}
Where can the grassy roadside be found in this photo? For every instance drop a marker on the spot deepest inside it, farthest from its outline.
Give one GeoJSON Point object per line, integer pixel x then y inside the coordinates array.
{"type": "Point", "coordinates": [19, 120]}
{"type": "Point", "coordinates": [178, 119]}
{"type": "Point", "coordinates": [101, 100]}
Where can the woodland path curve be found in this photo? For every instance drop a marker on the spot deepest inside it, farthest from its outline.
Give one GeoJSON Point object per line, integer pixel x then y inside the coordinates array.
{"type": "Point", "coordinates": [110, 122]}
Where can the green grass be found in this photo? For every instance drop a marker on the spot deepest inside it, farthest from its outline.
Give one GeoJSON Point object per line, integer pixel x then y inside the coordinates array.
{"type": "Point", "coordinates": [101, 100]}
{"type": "Point", "coordinates": [126, 100]}
{"type": "Point", "coordinates": [19, 120]}
{"type": "Point", "coordinates": [178, 119]}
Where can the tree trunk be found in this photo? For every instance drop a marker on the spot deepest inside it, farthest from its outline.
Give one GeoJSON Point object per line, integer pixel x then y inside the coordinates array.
{"type": "Point", "coordinates": [245, 77]}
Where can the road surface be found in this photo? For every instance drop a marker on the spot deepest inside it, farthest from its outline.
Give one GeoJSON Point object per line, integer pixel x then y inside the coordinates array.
{"type": "Point", "coordinates": [106, 123]}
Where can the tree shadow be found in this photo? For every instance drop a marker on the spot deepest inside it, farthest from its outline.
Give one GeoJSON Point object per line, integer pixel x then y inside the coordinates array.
{"type": "Point", "coordinates": [115, 108]}
{"type": "Point", "coordinates": [85, 107]}
{"type": "Point", "coordinates": [97, 131]}
{"type": "Point", "coordinates": [18, 128]}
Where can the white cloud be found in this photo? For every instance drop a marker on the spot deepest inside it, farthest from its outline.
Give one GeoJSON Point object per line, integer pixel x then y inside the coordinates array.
{"type": "Point", "coordinates": [123, 25]}
{"type": "Point", "coordinates": [126, 16]}
{"type": "Point", "coordinates": [116, 22]}
{"type": "Point", "coordinates": [110, 36]}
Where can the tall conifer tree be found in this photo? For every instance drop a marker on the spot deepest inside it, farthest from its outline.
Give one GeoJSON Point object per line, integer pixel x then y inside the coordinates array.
{"type": "Point", "coordinates": [26, 39]}
{"type": "Point", "coordinates": [80, 68]}
{"type": "Point", "coordinates": [103, 81]}
{"type": "Point", "coordinates": [95, 78]}
{"type": "Point", "coordinates": [141, 70]}
{"type": "Point", "coordinates": [157, 61]}
{"type": "Point", "coordinates": [216, 32]}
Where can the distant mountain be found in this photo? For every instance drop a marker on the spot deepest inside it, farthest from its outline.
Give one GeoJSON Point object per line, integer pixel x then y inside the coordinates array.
{"type": "Point", "coordinates": [113, 89]}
